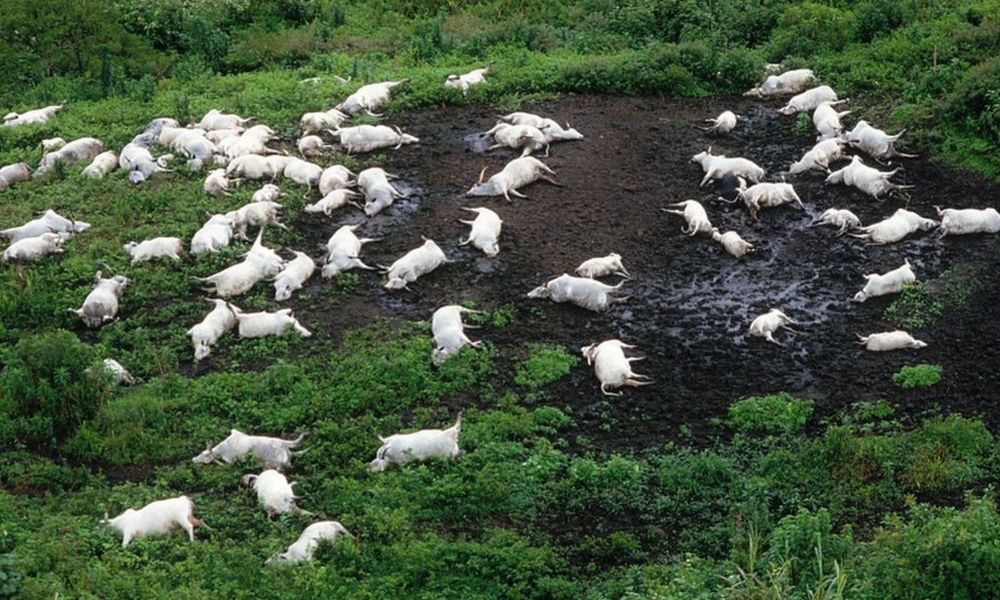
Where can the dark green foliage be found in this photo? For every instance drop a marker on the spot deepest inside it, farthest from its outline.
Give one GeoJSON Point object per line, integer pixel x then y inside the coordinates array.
{"type": "Point", "coordinates": [774, 413]}
{"type": "Point", "coordinates": [50, 384]}
{"type": "Point", "coordinates": [922, 303]}
{"type": "Point", "coordinates": [545, 363]}
{"type": "Point", "coordinates": [917, 376]}
{"type": "Point", "coordinates": [935, 553]}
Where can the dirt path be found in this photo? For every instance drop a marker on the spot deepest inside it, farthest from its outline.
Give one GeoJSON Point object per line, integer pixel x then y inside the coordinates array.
{"type": "Point", "coordinates": [691, 304]}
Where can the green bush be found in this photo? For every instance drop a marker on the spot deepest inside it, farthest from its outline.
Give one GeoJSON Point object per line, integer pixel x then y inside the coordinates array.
{"type": "Point", "coordinates": [936, 553]}
{"type": "Point", "coordinates": [796, 540]}
{"type": "Point", "coordinates": [917, 376]}
{"type": "Point", "coordinates": [806, 27]}
{"type": "Point", "coordinates": [922, 303]}
{"type": "Point", "coordinates": [51, 383]}
{"type": "Point", "coordinates": [773, 413]}
{"type": "Point", "coordinates": [545, 363]}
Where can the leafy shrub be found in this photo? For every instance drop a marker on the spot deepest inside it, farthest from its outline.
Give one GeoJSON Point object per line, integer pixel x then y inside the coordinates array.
{"type": "Point", "coordinates": [51, 383]}
{"type": "Point", "coordinates": [944, 453]}
{"type": "Point", "coordinates": [10, 576]}
{"type": "Point", "coordinates": [806, 27]}
{"type": "Point", "coordinates": [545, 363]}
{"type": "Point", "coordinates": [942, 552]}
{"type": "Point", "coordinates": [975, 101]}
{"type": "Point", "coordinates": [796, 540]}
{"type": "Point", "coordinates": [917, 376]}
{"type": "Point", "coordinates": [923, 302]}
{"type": "Point", "coordinates": [773, 413]}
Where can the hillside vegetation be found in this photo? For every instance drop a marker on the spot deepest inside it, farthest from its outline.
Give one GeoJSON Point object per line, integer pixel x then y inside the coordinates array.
{"type": "Point", "coordinates": [871, 503]}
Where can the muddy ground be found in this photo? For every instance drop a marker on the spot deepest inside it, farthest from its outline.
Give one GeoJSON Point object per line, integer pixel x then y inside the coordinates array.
{"type": "Point", "coordinates": [690, 303]}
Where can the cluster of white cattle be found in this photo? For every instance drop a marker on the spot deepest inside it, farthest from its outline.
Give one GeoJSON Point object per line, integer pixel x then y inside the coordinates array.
{"type": "Point", "coordinates": [241, 152]}
{"type": "Point", "coordinates": [831, 142]}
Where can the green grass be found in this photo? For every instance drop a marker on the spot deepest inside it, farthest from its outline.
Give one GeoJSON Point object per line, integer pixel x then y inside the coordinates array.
{"type": "Point", "coordinates": [775, 413]}
{"type": "Point", "coordinates": [922, 303]}
{"type": "Point", "coordinates": [917, 376]}
{"type": "Point", "coordinates": [544, 364]}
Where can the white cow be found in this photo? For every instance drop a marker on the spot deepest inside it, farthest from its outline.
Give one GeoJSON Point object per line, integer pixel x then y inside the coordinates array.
{"type": "Point", "coordinates": [581, 291]}
{"type": "Point", "coordinates": [103, 163]}
{"type": "Point", "coordinates": [694, 214]}
{"type": "Point", "coordinates": [887, 283]}
{"type": "Point", "coordinates": [263, 324]}
{"type": "Point", "coordinates": [29, 250]}
{"type": "Point", "coordinates": [767, 324]}
{"type": "Point", "coordinates": [101, 304]}
{"type": "Point", "coordinates": [296, 272]}
{"type": "Point", "coordinates": [422, 445]}
{"type": "Point", "coordinates": [955, 221]}
{"type": "Point", "coordinates": [809, 100]}
{"type": "Point", "coordinates": [732, 243]}
{"type": "Point", "coordinates": [270, 452]}
{"type": "Point", "coordinates": [205, 334]}
{"type": "Point", "coordinates": [890, 340]}
{"type": "Point", "coordinates": [161, 247]}
{"type": "Point", "coordinates": [612, 367]}
{"type": "Point", "coordinates": [826, 119]}
{"type": "Point", "coordinates": [485, 232]}
{"type": "Point", "coordinates": [602, 267]}
{"type": "Point", "coordinates": [789, 82]}
{"type": "Point", "coordinates": [342, 252]}
{"type": "Point", "coordinates": [414, 264]}
{"type": "Point", "coordinates": [819, 157]}
{"type": "Point", "coordinates": [304, 547]}
{"type": "Point", "coordinates": [724, 123]}
{"type": "Point", "coordinates": [216, 183]}
{"type": "Point", "coordinates": [875, 142]}
{"type": "Point", "coordinates": [901, 224]}
{"type": "Point", "coordinates": [515, 174]}
{"type": "Point", "coordinates": [366, 138]}
{"type": "Point", "coordinates": [369, 97]}
{"type": "Point", "coordinates": [838, 217]}
{"type": "Point", "coordinates": [526, 138]}
{"type": "Point", "coordinates": [49, 222]}
{"type": "Point", "coordinates": [553, 131]}
{"type": "Point", "coordinates": [274, 492]}
{"type": "Point", "coordinates": [214, 235]}
{"type": "Point", "coordinates": [767, 195]}
{"type": "Point", "coordinates": [449, 333]}
{"type": "Point", "coordinates": [156, 518]}
{"type": "Point", "coordinates": [718, 166]}
{"type": "Point", "coordinates": [464, 82]}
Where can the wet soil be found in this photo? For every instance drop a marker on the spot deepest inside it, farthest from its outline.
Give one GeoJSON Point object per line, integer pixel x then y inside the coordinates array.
{"type": "Point", "coordinates": [691, 304]}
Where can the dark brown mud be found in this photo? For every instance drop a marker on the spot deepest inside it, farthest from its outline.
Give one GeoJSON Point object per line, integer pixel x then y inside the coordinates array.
{"type": "Point", "coordinates": [690, 303]}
